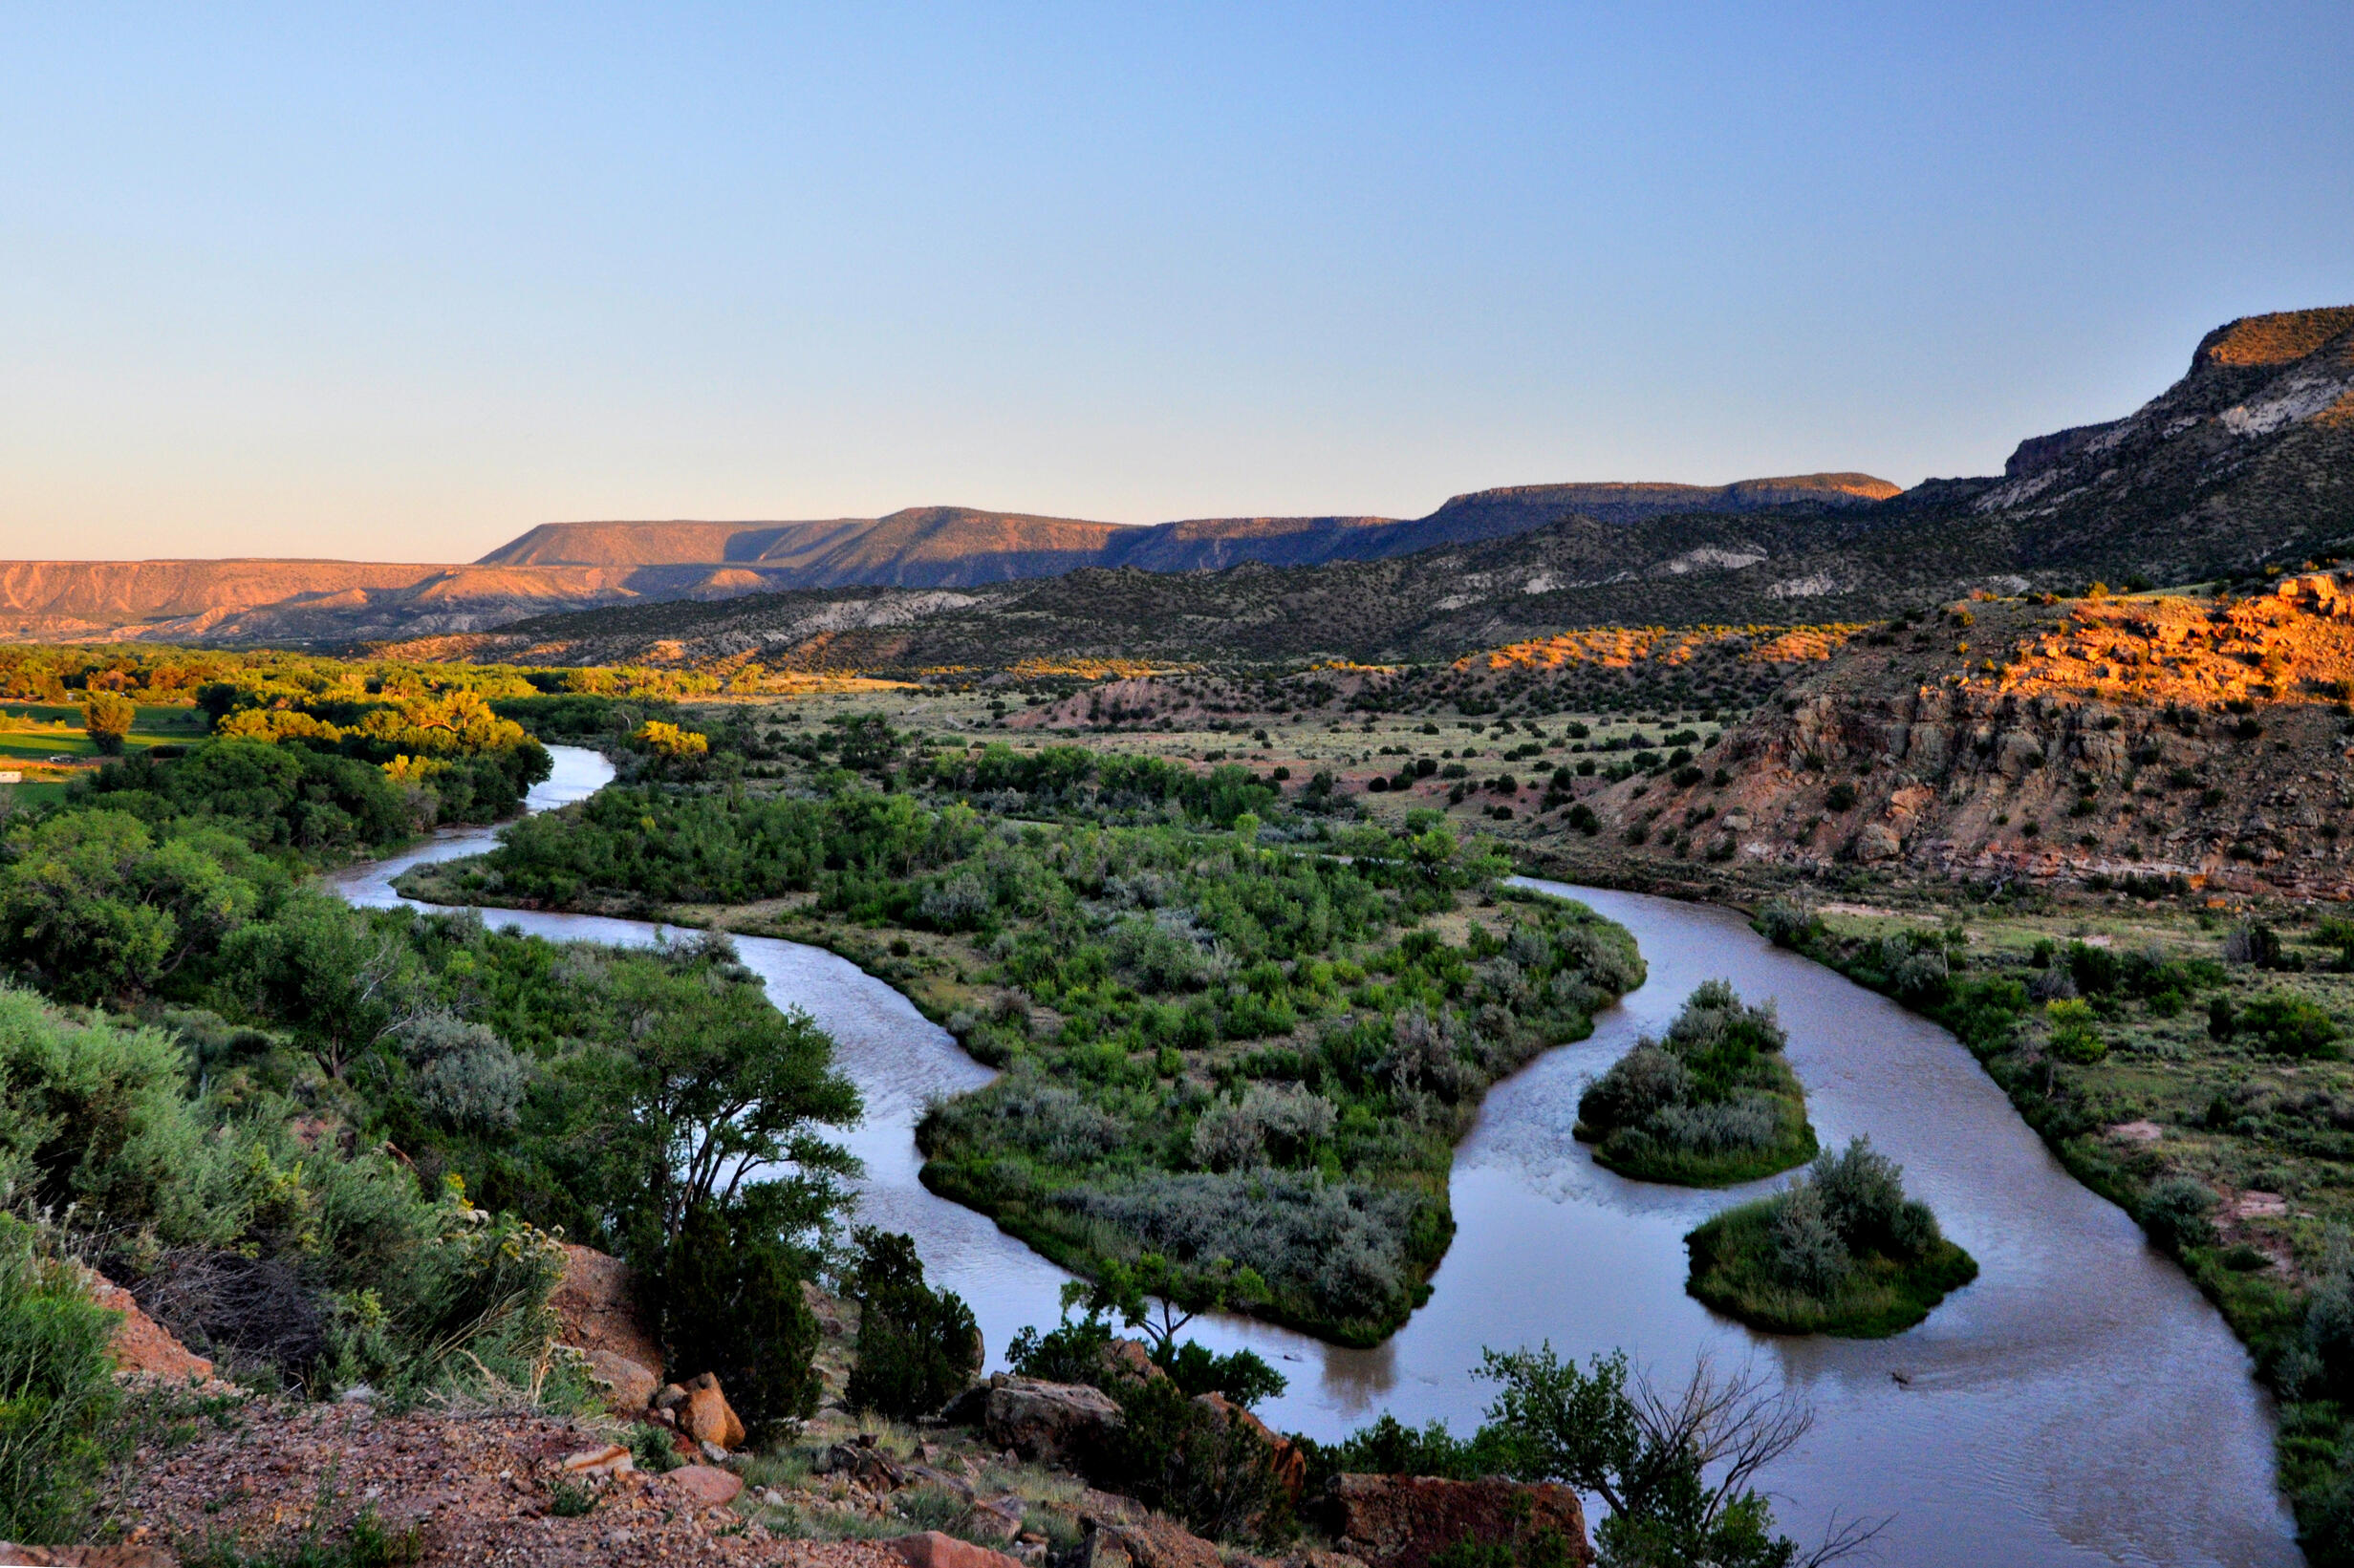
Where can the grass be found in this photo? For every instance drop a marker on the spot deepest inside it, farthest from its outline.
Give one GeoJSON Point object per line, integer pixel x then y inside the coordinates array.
{"type": "Point", "coordinates": [1731, 1270]}
{"type": "Point", "coordinates": [33, 732]}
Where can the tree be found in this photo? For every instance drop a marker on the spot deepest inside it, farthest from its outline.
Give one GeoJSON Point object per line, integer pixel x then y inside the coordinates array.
{"type": "Point", "coordinates": [668, 740]}
{"type": "Point", "coordinates": [1162, 1298]}
{"type": "Point", "coordinates": [918, 1348]}
{"type": "Point", "coordinates": [1650, 1455]}
{"type": "Point", "coordinates": [692, 1092]}
{"type": "Point", "coordinates": [329, 972]}
{"type": "Point", "coordinates": [731, 1304]}
{"type": "Point", "coordinates": [95, 908]}
{"type": "Point", "coordinates": [107, 717]}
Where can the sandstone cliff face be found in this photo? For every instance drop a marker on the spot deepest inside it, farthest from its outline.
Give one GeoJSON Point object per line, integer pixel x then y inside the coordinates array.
{"type": "Point", "coordinates": [2159, 736]}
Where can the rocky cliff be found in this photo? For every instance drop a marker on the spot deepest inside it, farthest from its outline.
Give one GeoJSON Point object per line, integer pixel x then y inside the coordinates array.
{"type": "Point", "coordinates": [2166, 737]}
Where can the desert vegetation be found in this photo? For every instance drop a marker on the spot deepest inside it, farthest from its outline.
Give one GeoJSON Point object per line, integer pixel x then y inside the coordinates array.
{"type": "Point", "coordinates": [1840, 1251]}
{"type": "Point", "coordinates": [1710, 1104]}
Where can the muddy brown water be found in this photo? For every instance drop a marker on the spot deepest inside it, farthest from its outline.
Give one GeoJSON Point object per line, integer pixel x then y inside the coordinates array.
{"type": "Point", "coordinates": [2079, 1403]}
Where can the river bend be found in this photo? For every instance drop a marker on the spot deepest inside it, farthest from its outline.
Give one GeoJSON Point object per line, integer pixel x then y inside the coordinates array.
{"type": "Point", "coordinates": [2080, 1403]}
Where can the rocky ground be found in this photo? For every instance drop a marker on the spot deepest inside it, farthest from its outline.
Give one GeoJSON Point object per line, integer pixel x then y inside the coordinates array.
{"type": "Point", "coordinates": [662, 1475]}
{"type": "Point", "coordinates": [444, 1488]}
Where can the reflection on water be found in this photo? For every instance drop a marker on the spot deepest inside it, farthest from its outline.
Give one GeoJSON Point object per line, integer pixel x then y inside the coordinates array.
{"type": "Point", "coordinates": [2079, 1403]}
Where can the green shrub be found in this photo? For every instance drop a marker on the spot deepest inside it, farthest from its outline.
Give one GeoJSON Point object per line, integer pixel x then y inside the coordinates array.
{"type": "Point", "coordinates": [58, 1398]}
{"type": "Point", "coordinates": [94, 1116]}
{"type": "Point", "coordinates": [1075, 1350]}
{"type": "Point", "coordinates": [732, 1304]}
{"type": "Point", "coordinates": [1389, 1447]}
{"type": "Point", "coordinates": [2175, 1212]}
{"type": "Point", "coordinates": [1186, 1457]}
{"type": "Point", "coordinates": [2074, 1039]}
{"type": "Point", "coordinates": [1786, 924]}
{"type": "Point", "coordinates": [1241, 1377]}
{"type": "Point", "coordinates": [918, 1348]}
{"type": "Point", "coordinates": [2287, 1025]}
{"type": "Point", "coordinates": [1710, 1104]}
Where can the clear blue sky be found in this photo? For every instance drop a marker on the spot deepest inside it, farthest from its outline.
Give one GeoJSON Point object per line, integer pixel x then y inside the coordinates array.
{"type": "Point", "coordinates": [397, 282]}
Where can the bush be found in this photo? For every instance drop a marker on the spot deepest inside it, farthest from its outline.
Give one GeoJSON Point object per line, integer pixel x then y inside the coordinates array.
{"type": "Point", "coordinates": [2175, 1212]}
{"type": "Point", "coordinates": [1241, 1377]}
{"type": "Point", "coordinates": [1187, 1457]}
{"type": "Point", "coordinates": [1786, 924]}
{"type": "Point", "coordinates": [1280, 1125]}
{"type": "Point", "coordinates": [1338, 1247]}
{"type": "Point", "coordinates": [732, 1304]}
{"type": "Point", "coordinates": [2287, 1025]}
{"type": "Point", "coordinates": [1389, 1447]}
{"type": "Point", "coordinates": [1711, 1103]}
{"type": "Point", "coordinates": [2073, 1036]}
{"type": "Point", "coordinates": [1842, 1251]}
{"type": "Point", "coordinates": [1076, 1350]}
{"type": "Point", "coordinates": [93, 1117]}
{"type": "Point", "coordinates": [58, 1398]}
{"type": "Point", "coordinates": [918, 1348]}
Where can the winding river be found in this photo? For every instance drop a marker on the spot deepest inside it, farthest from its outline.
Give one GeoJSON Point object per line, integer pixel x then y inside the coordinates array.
{"type": "Point", "coordinates": [2079, 1403]}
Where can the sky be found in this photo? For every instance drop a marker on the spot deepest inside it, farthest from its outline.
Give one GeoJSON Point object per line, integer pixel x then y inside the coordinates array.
{"type": "Point", "coordinates": [398, 282]}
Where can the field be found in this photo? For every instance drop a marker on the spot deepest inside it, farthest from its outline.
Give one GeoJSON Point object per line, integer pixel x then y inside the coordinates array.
{"type": "Point", "coordinates": [45, 742]}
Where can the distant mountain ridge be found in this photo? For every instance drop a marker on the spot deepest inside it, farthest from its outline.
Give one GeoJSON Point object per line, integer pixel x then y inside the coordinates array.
{"type": "Point", "coordinates": [559, 567]}
{"type": "Point", "coordinates": [2247, 459]}
{"type": "Point", "coordinates": [963, 546]}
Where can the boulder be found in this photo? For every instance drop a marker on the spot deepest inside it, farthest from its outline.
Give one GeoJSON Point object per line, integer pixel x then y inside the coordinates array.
{"type": "Point", "coordinates": [595, 1303]}
{"type": "Point", "coordinates": [629, 1386]}
{"type": "Point", "coordinates": [995, 1518]}
{"type": "Point", "coordinates": [1129, 1362]}
{"type": "Point", "coordinates": [706, 1483]}
{"type": "Point", "coordinates": [862, 1462]}
{"type": "Point", "coordinates": [707, 1417]}
{"type": "Point", "coordinates": [1290, 1464]}
{"type": "Point", "coordinates": [935, 1550]}
{"type": "Point", "coordinates": [612, 1459]}
{"type": "Point", "coordinates": [1878, 841]}
{"type": "Point", "coordinates": [1398, 1521]}
{"type": "Point", "coordinates": [1153, 1541]}
{"type": "Point", "coordinates": [1047, 1421]}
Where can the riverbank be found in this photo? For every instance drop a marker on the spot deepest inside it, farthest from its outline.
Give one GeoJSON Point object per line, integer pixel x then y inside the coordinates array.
{"type": "Point", "coordinates": [2190, 1068]}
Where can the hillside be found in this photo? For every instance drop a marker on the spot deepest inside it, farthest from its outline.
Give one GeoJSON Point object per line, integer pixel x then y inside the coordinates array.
{"type": "Point", "coordinates": [2152, 736]}
{"type": "Point", "coordinates": [573, 566]}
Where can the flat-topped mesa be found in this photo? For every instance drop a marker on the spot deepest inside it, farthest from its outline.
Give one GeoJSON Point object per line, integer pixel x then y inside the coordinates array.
{"type": "Point", "coordinates": [2272, 340]}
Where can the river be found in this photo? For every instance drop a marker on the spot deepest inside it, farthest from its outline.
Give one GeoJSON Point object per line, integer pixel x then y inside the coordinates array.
{"type": "Point", "coordinates": [2079, 1403]}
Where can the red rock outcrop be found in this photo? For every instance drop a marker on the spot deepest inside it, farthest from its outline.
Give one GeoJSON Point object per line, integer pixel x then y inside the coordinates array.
{"type": "Point", "coordinates": [595, 1304]}
{"type": "Point", "coordinates": [1398, 1521]}
{"type": "Point", "coordinates": [142, 1346]}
